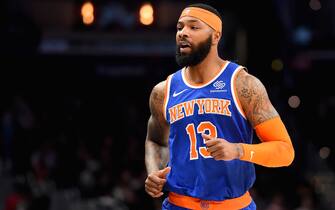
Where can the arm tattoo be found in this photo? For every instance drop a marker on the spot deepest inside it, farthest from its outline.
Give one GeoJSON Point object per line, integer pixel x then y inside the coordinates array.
{"type": "Point", "coordinates": [156, 107]}
{"type": "Point", "coordinates": [156, 156]}
{"type": "Point", "coordinates": [156, 150]}
{"type": "Point", "coordinates": [254, 99]}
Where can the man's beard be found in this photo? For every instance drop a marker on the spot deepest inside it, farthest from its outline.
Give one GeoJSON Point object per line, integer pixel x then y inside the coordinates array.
{"type": "Point", "coordinates": [197, 54]}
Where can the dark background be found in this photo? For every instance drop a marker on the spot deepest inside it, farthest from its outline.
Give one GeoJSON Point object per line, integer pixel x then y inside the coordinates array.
{"type": "Point", "coordinates": [74, 98]}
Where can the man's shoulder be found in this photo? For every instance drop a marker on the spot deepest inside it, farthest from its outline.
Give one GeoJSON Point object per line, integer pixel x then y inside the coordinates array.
{"type": "Point", "coordinates": [160, 86]}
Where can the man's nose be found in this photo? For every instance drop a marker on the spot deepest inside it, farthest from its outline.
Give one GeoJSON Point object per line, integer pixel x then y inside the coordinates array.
{"type": "Point", "coordinates": [183, 32]}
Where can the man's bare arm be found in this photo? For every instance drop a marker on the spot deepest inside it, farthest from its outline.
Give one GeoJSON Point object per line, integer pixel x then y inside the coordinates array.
{"type": "Point", "coordinates": [156, 144]}
{"type": "Point", "coordinates": [254, 99]}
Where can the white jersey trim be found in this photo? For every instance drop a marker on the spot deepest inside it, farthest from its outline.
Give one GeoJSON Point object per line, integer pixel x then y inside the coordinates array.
{"type": "Point", "coordinates": [167, 94]}
{"type": "Point", "coordinates": [234, 94]}
{"type": "Point", "coordinates": [207, 83]}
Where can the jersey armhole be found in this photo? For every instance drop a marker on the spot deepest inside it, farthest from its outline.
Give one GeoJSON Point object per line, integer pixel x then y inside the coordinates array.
{"type": "Point", "coordinates": [234, 92]}
{"type": "Point", "coordinates": [167, 95]}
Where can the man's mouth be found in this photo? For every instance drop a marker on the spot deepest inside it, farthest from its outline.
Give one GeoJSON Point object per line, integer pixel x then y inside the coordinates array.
{"type": "Point", "coordinates": [184, 46]}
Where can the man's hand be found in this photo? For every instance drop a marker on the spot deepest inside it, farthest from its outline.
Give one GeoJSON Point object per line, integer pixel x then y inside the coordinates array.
{"type": "Point", "coordinates": [221, 149]}
{"type": "Point", "coordinates": [155, 182]}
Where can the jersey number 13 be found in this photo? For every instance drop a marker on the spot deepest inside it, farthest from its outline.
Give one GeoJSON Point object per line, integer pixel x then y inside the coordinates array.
{"type": "Point", "coordinates": [201, 128]}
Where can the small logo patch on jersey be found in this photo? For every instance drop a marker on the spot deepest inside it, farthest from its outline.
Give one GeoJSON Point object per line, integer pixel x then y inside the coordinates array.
{"type": "Point", "coordinates": [251, 154]}
{"type": "Point", "coordinates": [219, 85]}
{"type": "Point", "coordinates": [204, 205]}
{"type": "Point", "coordinates": [177, 94]}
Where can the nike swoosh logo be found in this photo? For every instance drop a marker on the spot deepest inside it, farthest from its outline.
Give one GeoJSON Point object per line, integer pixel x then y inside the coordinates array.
{"type": "Point", "coordinates": [252, 154]}
{"type": "Point", "coordinates": [177, 94]}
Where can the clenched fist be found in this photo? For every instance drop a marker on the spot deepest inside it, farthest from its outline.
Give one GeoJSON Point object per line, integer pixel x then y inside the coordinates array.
{"type": "Point", "coordinates": [155, 182]}
{"type": "Point", "coordinates": [221, 149]}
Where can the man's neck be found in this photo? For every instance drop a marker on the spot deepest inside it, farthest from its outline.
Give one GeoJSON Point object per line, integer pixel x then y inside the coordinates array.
{"type": "Point", "coordinates": [206, 70]}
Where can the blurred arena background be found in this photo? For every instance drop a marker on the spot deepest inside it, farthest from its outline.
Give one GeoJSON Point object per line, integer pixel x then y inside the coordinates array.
{"type": "Point", "coordinates": [75, 81]}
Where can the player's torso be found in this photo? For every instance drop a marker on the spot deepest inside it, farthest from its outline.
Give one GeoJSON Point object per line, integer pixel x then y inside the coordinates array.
{"type": "Point", "coordinates": [210, 108]}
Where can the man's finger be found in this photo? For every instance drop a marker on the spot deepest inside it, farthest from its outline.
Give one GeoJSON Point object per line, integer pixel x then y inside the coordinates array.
{"type": "Point", "coordinates": [213, 148]}
{"type": "Point", "coordinates": [156, 180]}
{"type": "Point", "coordinates": [217, 154]}
{"type": "Point", "coordinates": [206, 137]}
{"type": "Point", "coordinates": [212, 142]}
{"type": "Point", "coordinates": [164, 172]}
{"type": "Point", "coordinates": [152, 184]}
{"type": "Point", "coordinates": [153, 190]}
{"type": "Point", "coordinates": [155, 195]}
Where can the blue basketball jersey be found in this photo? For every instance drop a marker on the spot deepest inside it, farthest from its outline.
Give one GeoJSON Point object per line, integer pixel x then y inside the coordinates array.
{"type": "Point", "coordinates": [212, 109]}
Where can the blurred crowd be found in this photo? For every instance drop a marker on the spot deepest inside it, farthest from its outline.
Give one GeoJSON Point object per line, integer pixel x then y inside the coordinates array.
{"type": "Point", "coordinates": [74, 110]}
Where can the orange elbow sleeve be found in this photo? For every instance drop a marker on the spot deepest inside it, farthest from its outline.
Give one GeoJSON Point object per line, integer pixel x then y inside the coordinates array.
{"type": "Point", "coordinates": [276, 148]}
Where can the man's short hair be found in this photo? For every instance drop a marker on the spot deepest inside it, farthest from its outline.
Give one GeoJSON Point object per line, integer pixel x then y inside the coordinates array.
{"type": "Point", "coordinates": [206, 7]}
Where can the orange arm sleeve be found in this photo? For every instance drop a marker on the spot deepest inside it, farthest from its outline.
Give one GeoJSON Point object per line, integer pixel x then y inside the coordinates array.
{"type": "Point", "coordinates": [276, 148]}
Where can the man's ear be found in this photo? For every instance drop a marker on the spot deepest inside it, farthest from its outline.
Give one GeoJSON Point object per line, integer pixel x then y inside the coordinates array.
{"type": "Point", "coordinates": [216, 36]}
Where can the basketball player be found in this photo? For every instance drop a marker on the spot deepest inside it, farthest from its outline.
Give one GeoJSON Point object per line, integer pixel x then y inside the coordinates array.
{"type": "Point", "coordinates": [199, 139]}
